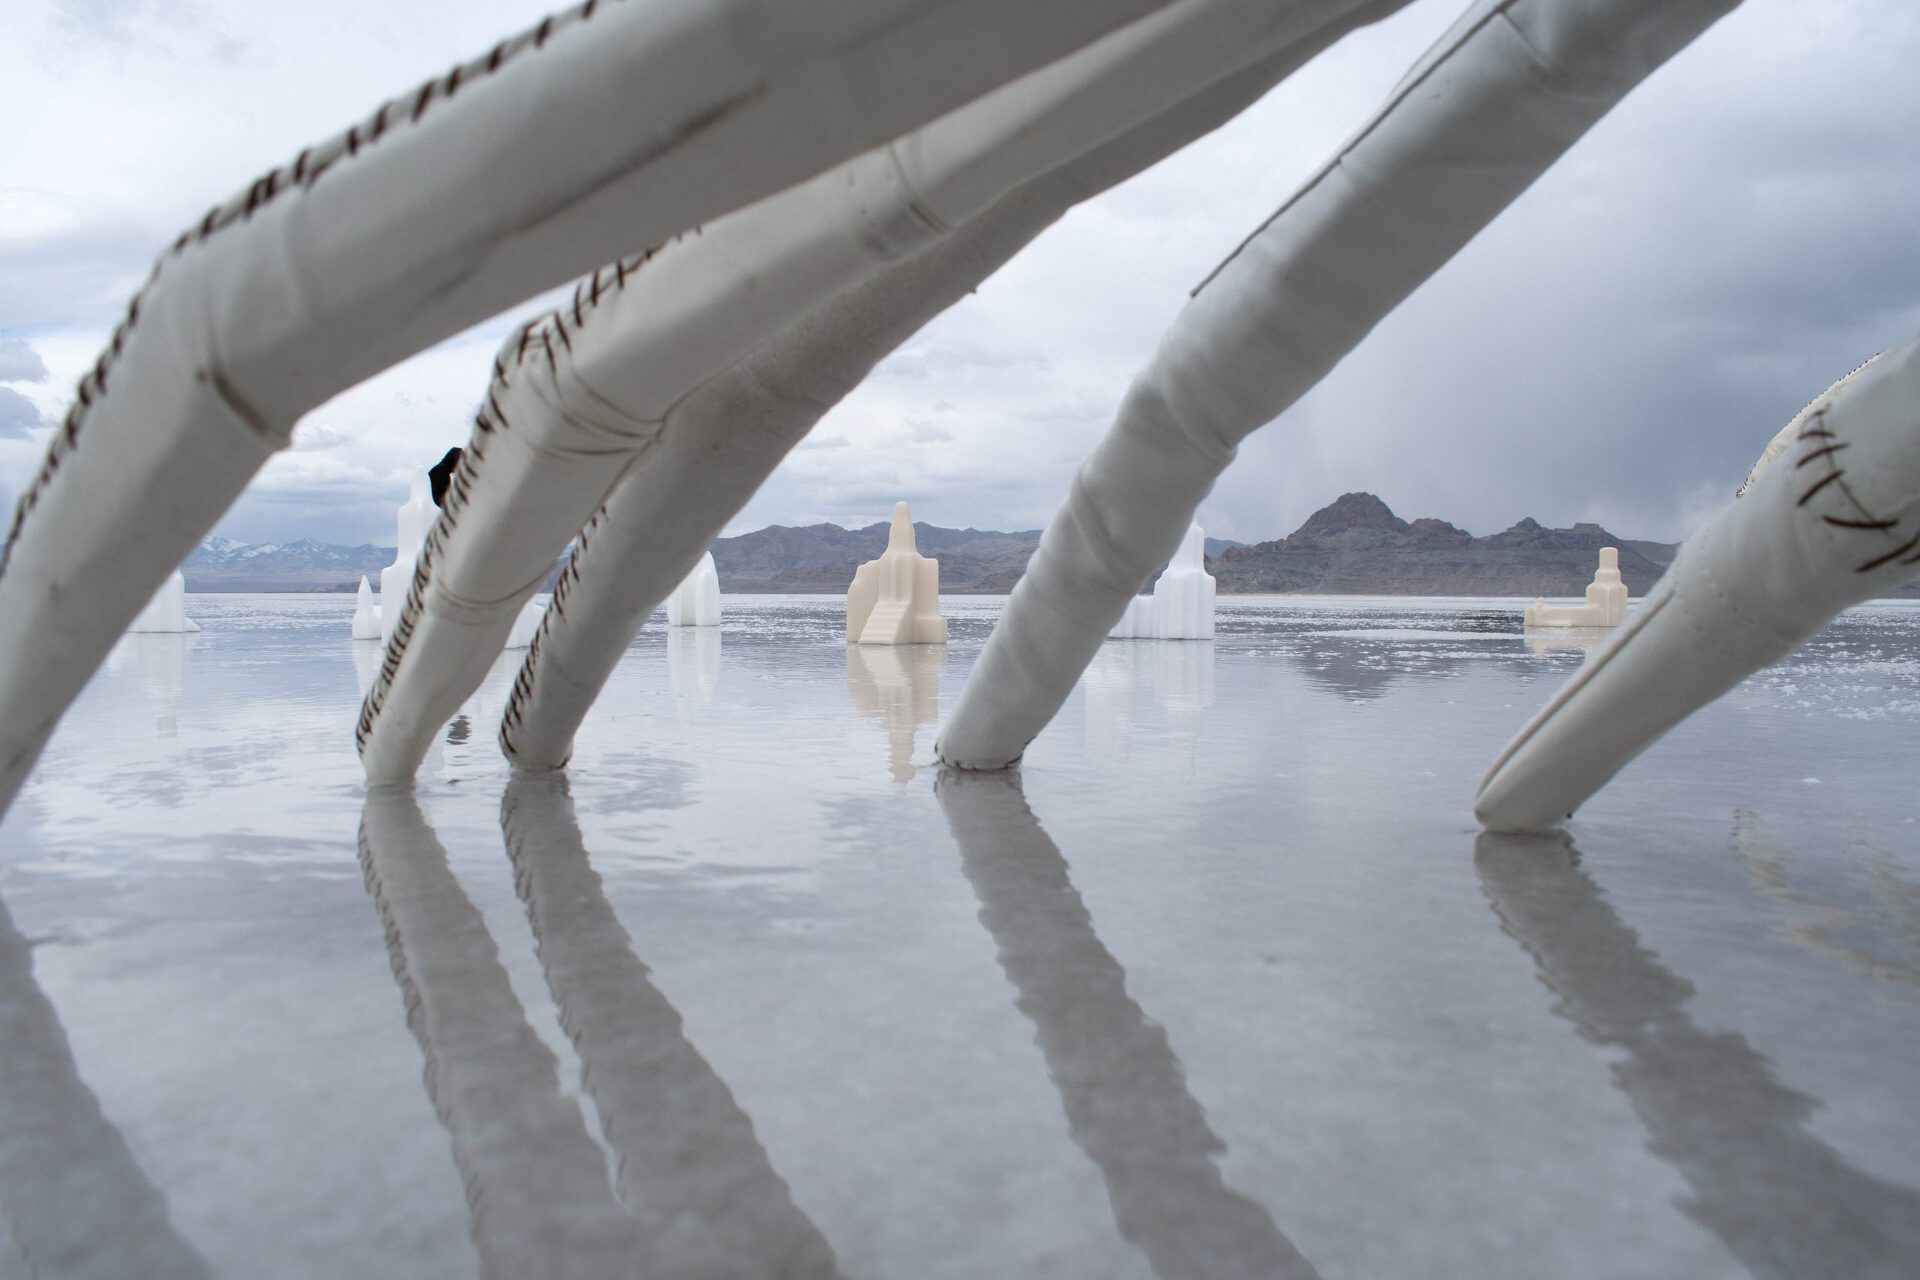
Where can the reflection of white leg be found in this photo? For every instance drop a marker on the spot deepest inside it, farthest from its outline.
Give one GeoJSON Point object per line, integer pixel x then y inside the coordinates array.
{"type": "Point", "coordinates": [536, 1182]}
{"type": "Point", "coordinates": [690, 1168]}
{"type": "Point", "coordinates": [1783, 1201]}
{"type": "Point", "coordinates": [721, 442]}
{"type": "Point", "coordinates": [1121, 1084]}
{"type": "Point", "coordinates": [72, 1197]}
{"type": "Point", "coordinates": [1506, 92]}
{"type": "Point", "coordinates": [1829, 522]}
{"type": "Point", "coordinates": [607, 128]}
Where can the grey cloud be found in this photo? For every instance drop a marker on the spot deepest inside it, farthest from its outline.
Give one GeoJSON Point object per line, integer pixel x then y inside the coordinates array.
{"type": "Point", "coordinates": [79, 278]}
{"type": "Point", "coordinates": [19, 362]}
{"type": "Point", "coordinates": [17, 414]}
{"type": "Point", "coordinates": [84, 28]}
{"type": "Point", "coordinates": [928, 433]}
{"type": "Point", "coordinates": [947, 359]}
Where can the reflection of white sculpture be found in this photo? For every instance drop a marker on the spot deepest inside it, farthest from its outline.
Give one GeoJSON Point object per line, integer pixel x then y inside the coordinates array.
{"type": "Point", "coordinates": [693, 665]}
{"type": "Point", "coordinates": [167, 611]}
{"type": "Point", "coordinates": [366, 613]}
{"type": "Point", "coordinates": [1606, 604]}
{"type": "Point", "coordinates": [896, 599]}
{"type": "Point", "coordinates": [898, 685]}
{"type": "Point", "coordinates": [1181, 606]}
{"type": "Point", "coordinates": [1558, 639]}
{"type": "Point", "coordinates": [696, 601]}
{"type": "Point", "coordinates": [415, 518]}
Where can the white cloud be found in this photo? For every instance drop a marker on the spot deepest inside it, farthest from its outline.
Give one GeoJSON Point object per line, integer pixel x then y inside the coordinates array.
{"type": "Point", "coordinates": [1619, 344]}
{"type": "Point", "coordinates": [19, 362]}
{"type": "Point", "coordinates": [18, 414]}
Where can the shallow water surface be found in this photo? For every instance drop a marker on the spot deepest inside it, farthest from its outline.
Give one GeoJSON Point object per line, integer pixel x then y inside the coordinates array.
{"type": "Point", "coordinates": [1222, 982]}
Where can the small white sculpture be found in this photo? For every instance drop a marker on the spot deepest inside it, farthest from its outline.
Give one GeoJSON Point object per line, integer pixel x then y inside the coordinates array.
{"type": "Point", "coordinates": [167, 611]}
{"type": "Point", "coordinates": [696, 601]}
{"type": "Point", "coordinates": [411, 524]}
{"type": "Point", "coordinates": [366, 613]}
{"type": "Point", "coordinates": [527, 625]}
{"type": "Point", "coordinates": [896, 599]}
{"type": "Point", "coordinates": [1606, 604]}
{"type": "Point", "coordinates": [1181, 606]}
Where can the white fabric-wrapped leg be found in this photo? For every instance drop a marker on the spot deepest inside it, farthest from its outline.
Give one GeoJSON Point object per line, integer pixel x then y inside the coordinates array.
{"type": "Point", "coordinates": [609, 126]}
{"type": "Point", "coordinates": [552, 439]}
{"type": "Point", "coordinates": [1832, 520]}
{"type": "Point", "coordinates": [723, 441]}
{"type": "Point", "coordinates": [1498, 100]}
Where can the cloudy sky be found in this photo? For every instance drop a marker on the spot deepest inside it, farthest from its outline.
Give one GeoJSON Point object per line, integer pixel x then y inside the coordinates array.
{"type": "Point", "coordinates": [1618, 347]}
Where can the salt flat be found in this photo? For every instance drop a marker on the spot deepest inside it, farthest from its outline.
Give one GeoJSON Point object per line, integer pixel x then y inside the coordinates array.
{"type": "Point", "coordinates": [1224, 982]}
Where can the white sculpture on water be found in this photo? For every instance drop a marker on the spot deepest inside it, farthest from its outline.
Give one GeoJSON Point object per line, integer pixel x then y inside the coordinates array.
{"type": "Point", "coordinates": [1181, 606]}
{"type": "Point", "coordinates": [167, 611]}
{"type": "Point", "coordinates": [1606, 604]}
{"type": "Point", "coordinates": [411, 524]}
{"type": "Point", "coordinates": [896, 599]}
{"type": "Point", "coordinates": [853, 169]}
{"type": "Point", "coordinates": [696, 601]}
{"type": "Point", "coordinates": [366, 613]}
{"type": "Point", "coordinates": [1827, 519]}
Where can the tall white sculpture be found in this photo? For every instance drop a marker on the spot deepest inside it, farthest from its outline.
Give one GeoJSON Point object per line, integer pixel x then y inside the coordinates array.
{"type": "Point", "coordinates": [411, 523]}
{"type": "Point", "coordinates": [896, 599]}
{"type": "Point", "coordinates": [1606, 604]}
{"type": "Point", "coordinates": [1181, 606]}
{"type": "Point", "coordinates": [366, 613]}
{"type": "Point", "coordinates": [167, 611]}
{"type": "Point", "coordinates": [696, 601]}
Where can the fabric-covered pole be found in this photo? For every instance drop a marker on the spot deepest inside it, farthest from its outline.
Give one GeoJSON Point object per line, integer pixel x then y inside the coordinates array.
{"type": "Point", "coordinates": [1829, 521]}
{"type": "Point", "coordinates": [720, 444]}
{"type": "Point", "coordinates": [610, 126]}
{"type": "Point", "coordinates": [1484, 113]}
{"type": "Point", "coordinates": [577, 396]}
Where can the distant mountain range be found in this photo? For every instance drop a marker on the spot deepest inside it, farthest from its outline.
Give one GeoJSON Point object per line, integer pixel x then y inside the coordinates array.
{"type": "Point", "coordinates": [1354, 545]}
{"type": "Point", "coordinates": [221, 564]}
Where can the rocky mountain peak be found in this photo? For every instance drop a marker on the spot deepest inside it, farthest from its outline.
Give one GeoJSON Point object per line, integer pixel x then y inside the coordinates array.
{"type": "Point", "coordinates": [1350, 511]}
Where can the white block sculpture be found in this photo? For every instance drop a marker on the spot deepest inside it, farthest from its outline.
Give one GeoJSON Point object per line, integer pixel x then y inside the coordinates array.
{"type": "Point", "coordinates": [1181, 606]}
{"type": "Point", "coordinates": [1606, 604]}
{"type": "Point", "coordinates": [411, 524]}
{"type": "Point", "coordinates": [696, 601]}
{"type": "Point", "coordinates": [366, 613]}
{"type": "Point", "coordinates": [167, 611]}
{"type": "Point", "coordinates": [896, 599]}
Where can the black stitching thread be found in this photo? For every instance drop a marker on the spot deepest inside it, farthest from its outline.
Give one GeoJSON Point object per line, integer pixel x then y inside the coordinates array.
{"type": "Point", "coordinates": [490, 419]}
{"type": "Point", "coordinates": [1866, 519]}
{"type": "Point", "coordinates": [306, 169]}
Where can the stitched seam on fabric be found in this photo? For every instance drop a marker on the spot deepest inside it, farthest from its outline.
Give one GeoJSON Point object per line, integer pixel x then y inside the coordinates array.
{"type": "Point", "coordinates": [588, 295]}
{"type": "Point", "coordinates": [1827, 445]}
{"type": "Point", "coordinates": [305, 170]}
{"type": "Point", "coordinates": [1400, 95]}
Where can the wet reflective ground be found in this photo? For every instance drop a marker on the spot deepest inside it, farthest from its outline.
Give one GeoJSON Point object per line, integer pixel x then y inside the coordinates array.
{"type": "Point", "coordinates": [1223, 984]}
